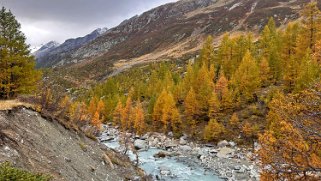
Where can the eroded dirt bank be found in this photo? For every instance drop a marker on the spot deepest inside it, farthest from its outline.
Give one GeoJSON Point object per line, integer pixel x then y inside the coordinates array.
{"type": "Point", "coordinates": [29, 141]}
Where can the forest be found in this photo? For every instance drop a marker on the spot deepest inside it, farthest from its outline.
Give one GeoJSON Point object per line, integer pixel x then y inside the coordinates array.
{"type": "Point", "coordinates": [250, 88]}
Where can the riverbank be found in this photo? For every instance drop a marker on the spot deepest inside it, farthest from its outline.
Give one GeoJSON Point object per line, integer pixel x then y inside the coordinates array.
{"type": "Point", "coordinates": [225, 160]}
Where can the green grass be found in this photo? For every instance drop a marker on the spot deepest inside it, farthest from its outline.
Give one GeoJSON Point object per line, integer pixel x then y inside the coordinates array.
{"type": "Point", "coordinates": [9, 173]}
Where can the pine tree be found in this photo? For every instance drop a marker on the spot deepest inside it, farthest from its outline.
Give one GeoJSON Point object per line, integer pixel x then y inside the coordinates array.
{"type": "Point", "coordinates": [127, 114]}
{"type": "Point", "coordinates": [166, 113]}
{"type": "Point", "coordinates": [139, 119]}
{"type": "Point", "coordinates": [246, 79]}
{"type": "Point", "coordinates": [207, 52]}
{"type": "Point", "coordinates": [214, 106]}
{"type": "Point", "coordinates": [118, 112]}
{"type": "Point", "coordinates": [265, 72]}
{"type": "Point", "coordinates": [92, 106]}
{"type": "Point", "coordinates": [309, 71]}
{"type": "Point", "coordinates": [234, 122]}
{"type": "Point", "coordinates": [270, 47]}
{"type": "Point", "coordinates": [203, 87]}
{"type": "Point", "coordinates": [96, 121]}
{"type": "Point", "coordinates": [191, 105]}
{"type": "Point", "coordinates": [213, 131]}
{"type": "Point", "coordinates": [290, 141]}
{"type": "Point", "coordinates": [17, 73]}
{"type": "Point", "coordinates": [311, 28]}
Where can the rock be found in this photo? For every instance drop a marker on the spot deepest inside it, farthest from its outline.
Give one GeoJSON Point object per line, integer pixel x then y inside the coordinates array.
{"type": "Point", "coordinates": [67, 159]}
{"type": "Point", "coordinates": [225, 152]}
{"type": "Point", "coordinates": [182, 141]}
{"type": "Point", "coordinates": [170, 134]}
{"type": "Point", "coordinates": [232, 144]}
{"type": "Point", "coordinates": [160, 154]}
{"type": "Point", "coordinates": [154, 142]}
{"type": "Point", "coordinates": [213, 151]}
{"type": "Point", "coordinates": [169, 144]}
{"type": "Point", "coordinates": [140, 144]}
{"type": "Point", "coordinates": [223, 143]}
{"type": "Point", "coordinates": [106, 138]}
{"type": "Point", "coordinates": [237, 167]}
{"type": "Point", "coordinates": [209, 145]}
{"type": "Point", "coordinates": [185, 148]}
{"type": "Point", "coordinates": [163, 154]}
{"type": "Point", "coordinates": [144, 137]}
{"type": "Point", "coordinates": [165, 171]}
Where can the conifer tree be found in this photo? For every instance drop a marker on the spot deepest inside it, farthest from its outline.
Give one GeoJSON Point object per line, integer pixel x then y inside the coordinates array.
{"type": "Point", "coordinates": [214, 106]}
{"type": "Point", "coordinates": [139, 119]}
{"type": "Point", "coordinates": [203, 87]}
{"type": "Point", "coordinates": [92, 106]}
{"type": "Point", "coordinates": [17, 72]}
{"type": "Point", "coordinates": [246, 79]}
{"type": "Point", "coordinates": [191, 105]}
{"type": "Point", "coordinates": [270, 48]}
{"type": "Point", "coordinates": [118, 112]}
{"type": "Point", "coordinates": [166, 113]}
{"type": "Point", "coordinates": [311, 28]}
{"type": "Point", "coordinates": [234, 122]}
{"type": "Point", "coordinates": [127, 114]}
{"type": "Point", "coordinates": [96, 121]}
{"type": "Point", "coordinates": [213, 131]}
{"type": "Point", "coordinates": [207, 52]}
{"type": "Point", "coordinates": [223, 92]}
{"type": "Point", "coordinates": [265, 72]}
{"type": "Point", "coordinates": [309, 71]}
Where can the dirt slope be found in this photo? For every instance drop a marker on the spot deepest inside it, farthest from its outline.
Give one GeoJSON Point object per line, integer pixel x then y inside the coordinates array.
{"type": "Point", "coordinates": [33, 143]}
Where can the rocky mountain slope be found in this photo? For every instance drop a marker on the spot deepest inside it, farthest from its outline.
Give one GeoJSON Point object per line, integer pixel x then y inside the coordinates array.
{"type": "Point", "coordinates": [29, 141]}
{"type": "Point", "coordinates": [171, 31]}
{"type": "Point", "coordinates": [53, 54]}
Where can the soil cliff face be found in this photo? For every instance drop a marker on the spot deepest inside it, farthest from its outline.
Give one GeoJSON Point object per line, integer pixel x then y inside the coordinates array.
{"type": "Point", "coordinates": [29, 141]}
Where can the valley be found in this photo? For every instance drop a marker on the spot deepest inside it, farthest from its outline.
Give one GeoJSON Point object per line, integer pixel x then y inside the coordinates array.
{"type": "Point", "coordinates": [189, 90]}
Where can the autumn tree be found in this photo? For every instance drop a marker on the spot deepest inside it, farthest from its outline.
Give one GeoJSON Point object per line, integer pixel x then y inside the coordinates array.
{"type": "Point", "coordinates": [207, 53]}
{"type": "Point", "coordinates": [246, 79]}
{"type": "Point", "coordinates": [291, 143]}
{"type": "Point", "coordinates": [214, 106]}
{"type": "Point", "coordinates": [190, 105]}
{"type": "Point", "coordinates": [203, 87]}
{"type": "Point", "coordinates": [213, 131]}
{"type": "Point", "coordinates": [96, 120]}
{"type": "Point", "coordinates": [117, 114]}
{"type": "Point", "coordinates": [308, 72]}
{"type": "Point", "coordinates": [311, 28]}
{"type": "Point", "coordinates": [139, 119]}
{"type": "Point", "coordinates": [127, 115]}
{"type": "Point", "coordinates": [234, 122]}
{"type": "Point", "coordinates": [265, 72]}
{"type": "Point", "coordinates": [270, 49]}
{"type": "Point", "coordinates": [166, 113]}
{"type": "Point", "coordinates": [17, 72]}
{"type": "Point", "coordinates": [223, 93]}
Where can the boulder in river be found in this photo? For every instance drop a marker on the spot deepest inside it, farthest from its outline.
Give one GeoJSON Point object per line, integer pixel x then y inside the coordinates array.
{"type": "Point", "coordinates": [140, 144]}
{"type": "Point", "coordinates": [185, 148]}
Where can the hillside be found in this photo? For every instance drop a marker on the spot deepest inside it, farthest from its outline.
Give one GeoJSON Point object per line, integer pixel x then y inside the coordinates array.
{"type": "Point", "coordinates": [31, 142]}
{"type": "Point", "coordinates": [171, 31]}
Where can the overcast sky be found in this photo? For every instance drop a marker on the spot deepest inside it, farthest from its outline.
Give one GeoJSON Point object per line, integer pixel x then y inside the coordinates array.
{"type": "Point", "coordinates": [46, 20]}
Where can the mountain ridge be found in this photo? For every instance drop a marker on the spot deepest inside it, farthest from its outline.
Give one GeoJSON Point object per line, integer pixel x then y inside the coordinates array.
{"type": "Point", "coordinates": [172, 31]}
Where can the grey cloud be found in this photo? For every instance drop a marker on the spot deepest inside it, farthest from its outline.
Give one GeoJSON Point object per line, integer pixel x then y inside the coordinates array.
{"type": "Point", "coordinates": [45, 20]}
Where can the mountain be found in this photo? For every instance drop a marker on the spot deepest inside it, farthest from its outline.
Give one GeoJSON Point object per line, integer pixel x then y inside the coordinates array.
{"type": "Point", "coordinates": [171, 31]}
{"type": "Point", "coordinates": [45, 49]}
{"type": "Point", "coordinates": [53, 54]}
